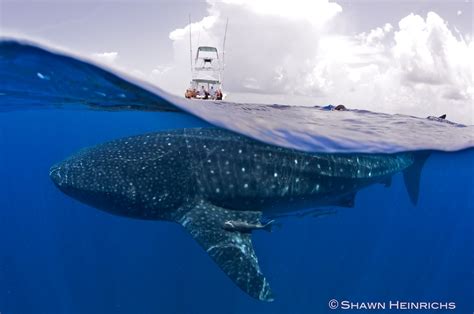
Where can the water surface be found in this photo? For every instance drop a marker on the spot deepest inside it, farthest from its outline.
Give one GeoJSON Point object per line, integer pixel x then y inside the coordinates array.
{"type": "Point", "coordinates": [60, 256]}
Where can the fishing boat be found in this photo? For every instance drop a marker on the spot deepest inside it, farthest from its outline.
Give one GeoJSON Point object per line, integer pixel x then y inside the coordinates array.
{"type": "Point", "coordinates": [206, 75]}
{"type": "Point", "coordinates": [206, 72]}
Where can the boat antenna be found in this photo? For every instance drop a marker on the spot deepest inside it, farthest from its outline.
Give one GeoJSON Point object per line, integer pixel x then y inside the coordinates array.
{"type": "Point", "coordinates": [190, 45]}
{"type": "Point", "coordinates": [223, 44]}
{"type": "Point", "coordinates": [223, 51]}
{"type": "Point", "coordinates": [199, 38]}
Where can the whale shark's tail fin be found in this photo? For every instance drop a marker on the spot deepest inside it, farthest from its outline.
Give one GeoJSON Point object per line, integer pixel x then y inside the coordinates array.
{"type": "Point", "coordinates": [231, 250]}
{"type": "Point", "coordinates": [412, 174]}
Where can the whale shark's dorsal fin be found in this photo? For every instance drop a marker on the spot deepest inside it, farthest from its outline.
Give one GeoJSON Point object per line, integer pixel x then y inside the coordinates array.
{"type": "Point", "coordinates": [231, 250]}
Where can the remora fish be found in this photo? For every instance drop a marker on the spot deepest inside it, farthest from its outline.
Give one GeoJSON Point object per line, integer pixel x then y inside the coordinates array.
{"type": "Point", "coordinates": [218, 184]}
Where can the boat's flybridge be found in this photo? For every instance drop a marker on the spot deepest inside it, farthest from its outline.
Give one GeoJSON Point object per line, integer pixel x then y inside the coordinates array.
{"type": "Point", "coordinates": [207, 58]}
{"type": "Point", "coordinates": [206, 72]}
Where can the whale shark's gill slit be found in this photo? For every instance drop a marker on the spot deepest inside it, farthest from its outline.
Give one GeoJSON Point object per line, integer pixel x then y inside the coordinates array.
{"type": "Point", "coordinates": [231, 250]}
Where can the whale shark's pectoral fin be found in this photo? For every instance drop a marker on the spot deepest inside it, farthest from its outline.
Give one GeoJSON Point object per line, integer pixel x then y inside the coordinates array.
{"type": "Point", "coordinates": [231, 250]}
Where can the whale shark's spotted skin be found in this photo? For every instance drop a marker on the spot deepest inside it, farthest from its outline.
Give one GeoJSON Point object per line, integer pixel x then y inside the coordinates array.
{"type": "Point", "coordinates": [201, 178]}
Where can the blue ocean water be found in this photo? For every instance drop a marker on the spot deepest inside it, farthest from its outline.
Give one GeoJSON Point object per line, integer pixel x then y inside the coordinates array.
{"type": "Point", "coordinates": [60, 256]}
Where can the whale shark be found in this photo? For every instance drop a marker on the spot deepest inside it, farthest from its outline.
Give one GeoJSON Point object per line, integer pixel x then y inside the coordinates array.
{"type": "Point", "coordinates": [221, 186]}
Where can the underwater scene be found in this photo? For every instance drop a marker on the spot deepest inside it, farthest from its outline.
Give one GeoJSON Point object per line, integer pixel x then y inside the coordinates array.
{"type": "Point", "coordinates": [117, 197]}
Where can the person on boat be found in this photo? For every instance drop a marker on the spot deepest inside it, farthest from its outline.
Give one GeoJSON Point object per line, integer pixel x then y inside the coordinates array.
{"type": "Point", "coordinates": [212, 93]}
{"type": "Point", "coordinates": [190, 93]}
{"type": "Point", "coordinates": [218, 95]}
{"type": "Point", "coordinates": [201, 93]}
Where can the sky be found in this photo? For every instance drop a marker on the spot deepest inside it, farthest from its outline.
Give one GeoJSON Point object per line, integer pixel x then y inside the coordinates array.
{"type": "Point", "coordinates": [409, 57]}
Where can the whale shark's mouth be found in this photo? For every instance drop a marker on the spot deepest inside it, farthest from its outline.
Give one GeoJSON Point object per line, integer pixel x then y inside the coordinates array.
{"type": "Point", "coordinates": [61, 176]}
{"type": "Point", "coordinates": [57, 175]}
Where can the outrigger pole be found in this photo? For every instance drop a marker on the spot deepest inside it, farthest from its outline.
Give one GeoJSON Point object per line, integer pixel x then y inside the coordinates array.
{"type": "Point", "coordinates": [190, 46]}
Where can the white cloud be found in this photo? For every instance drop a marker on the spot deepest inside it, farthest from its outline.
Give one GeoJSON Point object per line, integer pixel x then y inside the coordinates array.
{"type": "Point", "coordinates": [417, 67]}
{"type": "Point", "coordinates": [202, 26]}
{"type": "Point", "coordinates": [376, 35]}
{"type": "Point", "coordinates": [421, 69]}
{"type": "Point", "coordinates": [161, 70]}
{"type": "Point", "coordinates": [316, 11]}
{"type": "Point", "coordinates": [431, 59]}
{"type": "Point", "coordinates": [427, 52]}
{"type": "Point", "coordinates": [106, 57]}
